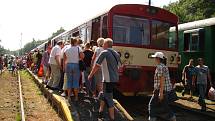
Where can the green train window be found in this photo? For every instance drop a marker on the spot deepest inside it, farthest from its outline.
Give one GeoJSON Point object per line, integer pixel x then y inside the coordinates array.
{"type": "Point", "coordinates": [192, 40]}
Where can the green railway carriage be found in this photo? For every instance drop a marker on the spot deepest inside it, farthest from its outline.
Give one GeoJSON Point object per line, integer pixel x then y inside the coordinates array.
{"type": "Point", "coordinates": [197, 39]}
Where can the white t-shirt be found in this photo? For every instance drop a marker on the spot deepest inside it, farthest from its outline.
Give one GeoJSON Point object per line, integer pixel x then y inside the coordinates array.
{"type": "Point", "coordinates": [63, 50]}
{"type": "Point", "coordinates": [98, 50]}
{"type": "Point", "coordinates": [72, 54]}
{"type": "Point", "coordinates": [56, 51]}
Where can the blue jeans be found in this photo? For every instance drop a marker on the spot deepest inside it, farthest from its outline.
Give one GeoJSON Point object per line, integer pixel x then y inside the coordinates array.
{"type": "Point", "coordinates": [73, 75]}
{"type": "Point", "coordinates": [202, 90]}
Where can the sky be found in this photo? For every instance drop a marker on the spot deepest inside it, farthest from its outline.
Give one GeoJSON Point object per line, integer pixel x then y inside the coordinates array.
{"type": "Point", "coordinates": [40, 18]}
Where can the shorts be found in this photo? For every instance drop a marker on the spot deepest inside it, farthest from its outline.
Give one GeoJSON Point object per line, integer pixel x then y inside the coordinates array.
{"type": "Point", "coordinates": [73, 75]}
{"type": "Point", "coordinates": [107, 95]}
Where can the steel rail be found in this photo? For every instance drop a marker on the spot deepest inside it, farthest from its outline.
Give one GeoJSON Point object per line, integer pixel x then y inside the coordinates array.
{"type": "Point", "coordinates": [21, 98]}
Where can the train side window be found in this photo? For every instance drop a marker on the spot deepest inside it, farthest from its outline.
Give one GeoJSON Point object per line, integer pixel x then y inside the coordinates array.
{"type": "Point", "coordinates": [96, 28]}
{"type": "Point", "coordinates": [104, 27]}
{"type": "Point", "coordinates": [88, 33]}
{"type": "Point", "coordinates": [76, 34]}
{"type": "Point", "coordinates": [194, 42]}
{"type": "Point", "coordinates": [186, 41]}
{"type": "Point", "coordinates": [83, 34]}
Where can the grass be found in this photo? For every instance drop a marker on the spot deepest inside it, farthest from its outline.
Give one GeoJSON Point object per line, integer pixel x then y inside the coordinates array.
{"type": "Point", "coordinates": [25, 75]}
{"type": "Point", "coordinates": [18, 117]}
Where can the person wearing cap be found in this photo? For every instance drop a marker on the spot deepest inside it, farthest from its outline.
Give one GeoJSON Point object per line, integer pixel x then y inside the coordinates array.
{"type": "Point", "coordinates": [158, 104]}
{"type": "Point", "coordinates": [55, 64]}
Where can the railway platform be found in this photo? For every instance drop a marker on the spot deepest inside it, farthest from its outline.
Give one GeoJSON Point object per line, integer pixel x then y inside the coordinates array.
{"type": "Point", "coordinates": [86, 109]}
{"type": "Point", "coordinates": [191, 104]}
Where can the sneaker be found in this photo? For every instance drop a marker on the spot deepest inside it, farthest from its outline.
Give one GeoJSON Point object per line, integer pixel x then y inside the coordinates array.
{"type": "Point", "coordinates": [63, 94]}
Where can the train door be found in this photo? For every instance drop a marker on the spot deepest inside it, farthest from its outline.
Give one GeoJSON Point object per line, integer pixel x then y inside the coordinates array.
{"type": "Point", "coordinates": [96, 28]}
{"type": "Point", "coordinates": [104, 29]}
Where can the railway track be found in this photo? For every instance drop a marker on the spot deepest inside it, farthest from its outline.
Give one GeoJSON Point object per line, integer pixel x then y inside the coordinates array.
{"type": "Point", "coordinates": [21, 100]}
{"type": "Point", "coordinates": [137, 107]}
{"type": "Point", "coordinates": [22, 111]}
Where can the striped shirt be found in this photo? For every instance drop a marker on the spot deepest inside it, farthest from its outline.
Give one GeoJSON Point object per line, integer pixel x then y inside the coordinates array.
{"type": "Point", "coordinates": [162, 70]}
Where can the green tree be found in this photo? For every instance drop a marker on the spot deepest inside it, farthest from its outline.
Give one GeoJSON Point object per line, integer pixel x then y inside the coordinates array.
{"type": "Point", "coordinates": [192, 10]}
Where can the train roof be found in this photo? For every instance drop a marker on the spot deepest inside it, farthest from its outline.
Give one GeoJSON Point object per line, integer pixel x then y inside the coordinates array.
{"type": "Point", "coordinates": [59, 35]}
{"type": "Point", "coordinates": [195, 24]}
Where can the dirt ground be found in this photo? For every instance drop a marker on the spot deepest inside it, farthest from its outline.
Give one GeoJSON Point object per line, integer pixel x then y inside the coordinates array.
{"type": "Point", "coordinates": [37, 107]}
{"type": "Point", "coordinates": [9, 105]}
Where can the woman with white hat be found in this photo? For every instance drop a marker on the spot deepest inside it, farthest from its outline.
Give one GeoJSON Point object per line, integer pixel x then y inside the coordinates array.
{"type": "Point", "coordinates": [159, 104]}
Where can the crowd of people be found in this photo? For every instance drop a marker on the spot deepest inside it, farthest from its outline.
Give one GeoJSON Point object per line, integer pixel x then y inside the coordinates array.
{"type": "Point", "coordinates": [12, 63]}
{"type": "Point", "coordinates": [71, 67]}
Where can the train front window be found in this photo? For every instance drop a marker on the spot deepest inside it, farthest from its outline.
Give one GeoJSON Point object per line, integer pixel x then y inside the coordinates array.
{"type": "Point", "coordinates": [131, 30]}
{"type": "Point", "coordinates": [161, 37]}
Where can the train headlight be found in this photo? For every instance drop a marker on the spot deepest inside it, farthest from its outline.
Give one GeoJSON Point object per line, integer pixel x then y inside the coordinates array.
{"type": "Point", "coordinates": [127, 55]}
{"type": "Point", "coordinates": [179, 59]}
{"type": "Point", "coordinates": [172, 58]}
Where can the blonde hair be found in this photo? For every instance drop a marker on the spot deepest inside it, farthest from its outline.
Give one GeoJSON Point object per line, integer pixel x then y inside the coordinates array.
{"type": "Point", "coordinates": [109, 42]}
{"type": "Point", "coordinates": [100, 42]}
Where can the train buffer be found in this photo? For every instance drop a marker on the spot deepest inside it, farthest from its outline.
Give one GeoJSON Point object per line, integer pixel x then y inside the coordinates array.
{"type": "Point", "coordinates": [86, 109]}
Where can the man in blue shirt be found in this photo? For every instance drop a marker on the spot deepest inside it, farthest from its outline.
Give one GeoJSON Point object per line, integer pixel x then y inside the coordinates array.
{"type": "Point", "coordinates": [203, 76]}
{"type": "Point", "coordinates": [188, 75]}
{"type": "Point", "coordinates": [109, 61]}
